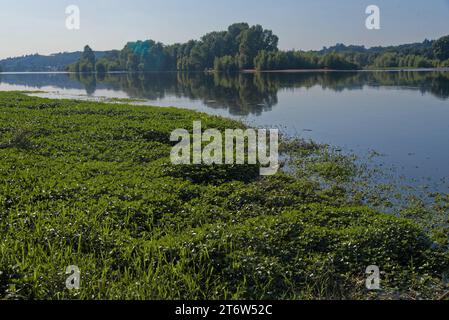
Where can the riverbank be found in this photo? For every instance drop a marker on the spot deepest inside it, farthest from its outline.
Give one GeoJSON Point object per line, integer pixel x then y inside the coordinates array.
{"type": "Point", "coordinates": [91, 184]}
{"type": "Point", "coordinates": [356, 70]}
{"type": "Point", "coordinates": [251, 71]}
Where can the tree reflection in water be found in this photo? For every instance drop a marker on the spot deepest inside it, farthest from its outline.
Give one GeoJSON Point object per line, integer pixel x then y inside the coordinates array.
{"type": "Point", "coordinates": [242, 93]}
{"type": "Point", "coordinates": [245, 93]}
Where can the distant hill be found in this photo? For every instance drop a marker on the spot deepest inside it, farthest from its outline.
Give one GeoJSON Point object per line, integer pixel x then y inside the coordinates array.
{"type": "Point", "coordinates": [41, 63]}
{"type": "Point", "coordinates": [419, 48]}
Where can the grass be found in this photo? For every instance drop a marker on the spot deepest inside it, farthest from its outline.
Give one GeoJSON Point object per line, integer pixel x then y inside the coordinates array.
{"type": "Point", "coordinates": [91, 184]}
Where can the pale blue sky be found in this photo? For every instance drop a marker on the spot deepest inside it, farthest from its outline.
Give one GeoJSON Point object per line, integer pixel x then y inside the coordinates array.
{"type": "Point", "coordinates": [31, 26]}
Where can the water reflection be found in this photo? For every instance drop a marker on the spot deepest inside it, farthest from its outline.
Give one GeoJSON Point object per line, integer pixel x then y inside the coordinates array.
{"type": "Point", "coordinates": [401, 114]}
{"type": "Point", "coordinates": [240, 94]}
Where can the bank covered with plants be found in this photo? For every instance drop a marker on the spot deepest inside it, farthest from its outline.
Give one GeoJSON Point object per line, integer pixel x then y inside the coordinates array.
{"type": "Point", "coordinates": [91, 184]}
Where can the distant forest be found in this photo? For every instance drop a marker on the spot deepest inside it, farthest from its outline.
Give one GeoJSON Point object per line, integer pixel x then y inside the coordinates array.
{"type": "Point", "coordinates": [240, 47]}
{"type": "Point", "coordinates": [245, 47]}
{"type": "Point", "coordinates": [42, 63]}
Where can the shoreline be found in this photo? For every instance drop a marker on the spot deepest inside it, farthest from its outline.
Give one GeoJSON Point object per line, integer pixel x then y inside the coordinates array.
{"type": "Point", "coordinates": [247, 71]}
{"type": "Point", "coordinates": [337, 70]}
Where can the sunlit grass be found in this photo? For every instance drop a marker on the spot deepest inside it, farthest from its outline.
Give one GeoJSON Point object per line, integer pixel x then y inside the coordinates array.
{"type": "Point", "coordinates": [91, 184]}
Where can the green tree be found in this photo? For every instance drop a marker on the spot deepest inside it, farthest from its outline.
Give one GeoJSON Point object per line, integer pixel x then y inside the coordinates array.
{"type": "Point", "coordinates": [87, 63]}
{"type": "Point", "coordinates": [226, 64]}
{"type": "Point", "coordinates": [441, 48]}
{"type": "Point", "coordinates": [101, 66]}
{"type": "Point", "coordinates": [252, 41]}
{"type": "Point", "coordinates": [232, 37]}
{"type": "Point", "coordinates": [88, 55]}
{"type": "Point", "coordinates": [132, 62]}
{"type": "Point", "coordinates": [387, 60]}
{"type": "Point", "coordinates": [336, 61]}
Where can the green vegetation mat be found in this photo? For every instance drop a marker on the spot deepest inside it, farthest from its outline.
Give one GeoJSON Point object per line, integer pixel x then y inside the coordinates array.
{"type": "Point", "coordinates": [91, 184]}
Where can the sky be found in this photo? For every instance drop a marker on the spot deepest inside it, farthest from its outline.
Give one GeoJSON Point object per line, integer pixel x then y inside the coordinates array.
{"type": "Point", "coordinates": [30, 26]}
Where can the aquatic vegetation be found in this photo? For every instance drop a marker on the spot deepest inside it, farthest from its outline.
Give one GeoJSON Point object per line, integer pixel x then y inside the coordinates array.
{"type": "Point", "coordinates": [91, 184]}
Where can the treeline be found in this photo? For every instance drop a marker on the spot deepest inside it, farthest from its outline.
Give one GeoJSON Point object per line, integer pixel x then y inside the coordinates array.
{"type": "Point", "coordinates": [281, 60]}
{"type": "Point", "coordinates": [243, 47]}
{"type": "Point", "coordinates": [427, 54]}
{"type": "Point", "coordinates": [40, 63]}
{"type": "Point", "coordinates": [241, 42]}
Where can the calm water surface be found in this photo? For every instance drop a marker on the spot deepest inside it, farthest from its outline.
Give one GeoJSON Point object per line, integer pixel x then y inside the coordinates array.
{"type": "Point", "coordinates": [403, 115]}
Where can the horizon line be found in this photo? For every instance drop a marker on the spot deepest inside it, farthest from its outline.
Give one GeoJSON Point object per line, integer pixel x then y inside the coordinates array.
{"type": "Point", "coordinates": [293, 49]}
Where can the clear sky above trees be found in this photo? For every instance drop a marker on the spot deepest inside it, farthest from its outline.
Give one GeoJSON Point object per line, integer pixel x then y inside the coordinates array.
{"type": "Point", "coordinates": [31, 26]}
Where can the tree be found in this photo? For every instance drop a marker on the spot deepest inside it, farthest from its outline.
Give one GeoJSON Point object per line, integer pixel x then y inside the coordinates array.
{"type": "Point", "coordinates": [226, 64]}
{"type": "Point", "coordinates": [387, 60]}
{"type": "Point", "coordinates": [101, 66]}
{"type": "Point", "coordinates": [132, 62]}
{"type": "Point", "coordinates": [336, 61]}
{"type": "Point", "coordinates": [88, 55]}
{"type": "Point", "coordinates": [232, 37]}
{"type": "Point", "coordinates": [252, 41]}
{"type": "Point", "coordinates": [441, 48]}
{"type": "Point", "coordinates": [87, 63]}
